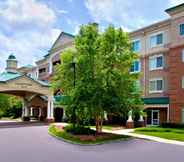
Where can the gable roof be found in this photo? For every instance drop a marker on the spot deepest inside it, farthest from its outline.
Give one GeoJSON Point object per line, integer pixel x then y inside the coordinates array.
{"type": "Point", "coordinates": [8, 76]}
{"type": "Point", "coordinates": [59, 37]}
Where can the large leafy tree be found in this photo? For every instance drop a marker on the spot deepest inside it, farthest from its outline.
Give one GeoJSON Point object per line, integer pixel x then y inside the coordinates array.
{"type": "Point", "coordinates": [10, 106]}
{"type": "Point", "coordinates": [103, 82]}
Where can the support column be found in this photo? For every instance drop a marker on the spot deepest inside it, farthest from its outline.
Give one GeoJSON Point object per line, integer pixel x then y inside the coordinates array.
{"type": "Point", "coordinates": [31, 111]}
{"type": "Point", "coordinates": [130, 122]}
{"type": "Point", "coordinates": [50, 109]}
{"type": "Point", "coordinates": [25, 111]}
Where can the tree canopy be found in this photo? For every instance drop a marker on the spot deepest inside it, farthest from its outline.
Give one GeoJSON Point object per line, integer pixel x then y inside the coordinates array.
{"type": "Point", "coordinates": [96, 75]}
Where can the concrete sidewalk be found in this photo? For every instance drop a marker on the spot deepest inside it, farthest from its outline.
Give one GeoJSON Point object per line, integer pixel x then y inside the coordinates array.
{"type": "Point", "coordinates": [129, 132]}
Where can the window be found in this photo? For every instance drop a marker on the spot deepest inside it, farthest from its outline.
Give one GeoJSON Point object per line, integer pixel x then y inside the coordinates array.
{"type": "Point", "coordinates": [136, 46]}
{"type": "Point", "coordinates": [182, 55]}
{"type": "Point", "coordinates": [182, 29]}
{"type": "Point", "coordinates": [182, 82]}
{"type": "Point", "coordinates": [156, 85]}
{"type": "Point", "coordinates": [156, 62]}
{"type": "Point", "coordinates": [135, 67]}
{"type": "Point", "coordinates": [156, 40]}
{"type": "Point", "coordinates": [42, 70]}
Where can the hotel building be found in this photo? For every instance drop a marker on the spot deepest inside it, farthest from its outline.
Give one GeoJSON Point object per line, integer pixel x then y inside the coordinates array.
{"type": "Point", "coordinates": [160, 47]}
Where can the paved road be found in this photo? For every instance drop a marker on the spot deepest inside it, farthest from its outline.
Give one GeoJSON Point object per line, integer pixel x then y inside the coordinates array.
{"type": "Point", "coordinates": [33, 144]}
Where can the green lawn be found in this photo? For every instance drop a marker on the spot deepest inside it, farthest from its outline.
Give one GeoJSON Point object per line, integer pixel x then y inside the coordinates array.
{"type": "Point", "coordinates": [68, 137]}
{"type": "Point", "coordinates": [167, 133]}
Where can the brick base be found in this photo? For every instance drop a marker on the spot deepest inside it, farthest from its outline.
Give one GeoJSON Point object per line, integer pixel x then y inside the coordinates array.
{"type": "Point", "coordinates": [142, 123]}
{"type": "Point", "coordinates": [129, 124]}
{"type": "Point", "coordinates": [49, 120]}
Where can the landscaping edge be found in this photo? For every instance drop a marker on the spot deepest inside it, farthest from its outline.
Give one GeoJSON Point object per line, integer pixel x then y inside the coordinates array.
{"type": "Point", "coordinates": [88, 144]}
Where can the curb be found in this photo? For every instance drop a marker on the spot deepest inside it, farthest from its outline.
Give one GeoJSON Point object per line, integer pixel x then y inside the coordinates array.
{"type": "Point", "coordinates": [95, 144]}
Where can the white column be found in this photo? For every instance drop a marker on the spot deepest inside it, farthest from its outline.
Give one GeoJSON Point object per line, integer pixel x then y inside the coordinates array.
{"type": "Point", "coordinates": [40, 112]}
{"type": "Point", "coordinates": [25, 108]}
{"type": "Point", "coordinates": [130, 116]}
{"type": "Point", "coordinates": [31, 111]}
{"type": "Point", "coordinates": [50, 66]}
{"type": "Point", "coordinates": [50, 108]}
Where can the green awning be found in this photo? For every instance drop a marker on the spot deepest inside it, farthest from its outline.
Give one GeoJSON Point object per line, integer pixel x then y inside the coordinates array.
{"type": "Point", "coordinates": [156, 100]}
{"type": "Point", "coordinates": [62, 100]}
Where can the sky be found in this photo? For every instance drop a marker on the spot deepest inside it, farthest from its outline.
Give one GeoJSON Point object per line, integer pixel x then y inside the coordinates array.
{"type": "Point", "coordinates": [28, 28]}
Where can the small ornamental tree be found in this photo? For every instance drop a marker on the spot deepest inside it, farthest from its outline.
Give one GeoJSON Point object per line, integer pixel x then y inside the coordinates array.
{"type": "Point", "coordinates": [101, 74]}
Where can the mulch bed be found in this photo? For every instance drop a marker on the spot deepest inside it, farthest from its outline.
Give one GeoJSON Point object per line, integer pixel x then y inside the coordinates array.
{"type": "Point", "coordinates": [89, 137]}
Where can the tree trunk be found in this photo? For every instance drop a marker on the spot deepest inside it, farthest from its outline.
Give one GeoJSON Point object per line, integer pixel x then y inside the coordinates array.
{"type": "Point", "coordinates": [99, 123]}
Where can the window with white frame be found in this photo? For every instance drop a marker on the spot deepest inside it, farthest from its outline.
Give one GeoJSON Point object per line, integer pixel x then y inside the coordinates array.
{"type": "Point", "coordinates": [182, 55]}
{"type": "Point", "coordinates": [156, 62]}
{"type": "Point", "coordinates": [136, 45]}
{"type": "Point", "coordinates": [182, 82]}
{"type": "Point", "coordinates": [182, 29]}
{"type": "Point", "coordinates": [156, 40]}
{"type": "Point", "coordinates": [156, 85]}
{"type": "Point", "coordinates": [135, 68]}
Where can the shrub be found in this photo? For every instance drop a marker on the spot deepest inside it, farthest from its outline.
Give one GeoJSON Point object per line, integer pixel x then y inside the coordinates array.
{"type": "Point", "coordinates": [172, 125]}
{"type": "Point", "coordinates": [79, 130]}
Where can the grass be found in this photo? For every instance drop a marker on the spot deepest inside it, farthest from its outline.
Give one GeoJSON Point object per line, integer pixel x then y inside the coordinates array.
{"type": "Point", "coordinates": [167, 133]}
{"type": "Point", "coordinates": [99, 139]}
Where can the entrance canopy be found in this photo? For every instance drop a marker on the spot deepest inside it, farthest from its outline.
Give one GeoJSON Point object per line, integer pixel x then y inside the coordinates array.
{"type": "Point", "coordinates": [35, 93]}
{"type": "Point", "coordinates": [19, 84]}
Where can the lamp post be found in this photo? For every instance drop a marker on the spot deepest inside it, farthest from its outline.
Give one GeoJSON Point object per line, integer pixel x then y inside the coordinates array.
{"type": "Point", "coordinates": [74, 78]}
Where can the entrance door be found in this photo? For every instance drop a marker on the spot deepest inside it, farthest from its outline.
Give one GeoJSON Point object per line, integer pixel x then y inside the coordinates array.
{"type": "Point", "coordinates": [155, 117]}
{"type": "Point", "coordinates": [58, 114]}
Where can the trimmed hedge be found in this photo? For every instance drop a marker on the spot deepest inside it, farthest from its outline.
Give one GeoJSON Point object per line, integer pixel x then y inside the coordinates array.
{"type": "Point", "coordinates": [172, 125]}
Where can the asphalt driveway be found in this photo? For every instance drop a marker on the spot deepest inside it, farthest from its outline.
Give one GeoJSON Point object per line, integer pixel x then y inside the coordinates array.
{"type": "Point", "coordinates": [33, 144]}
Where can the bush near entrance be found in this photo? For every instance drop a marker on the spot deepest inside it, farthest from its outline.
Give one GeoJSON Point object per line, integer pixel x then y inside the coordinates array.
{"type": "Point", "coordinates": [83, 135]}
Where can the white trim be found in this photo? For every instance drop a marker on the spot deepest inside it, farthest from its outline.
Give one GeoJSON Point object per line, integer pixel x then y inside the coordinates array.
{"type": "Point", "coordinates": [157, 106]}
{"type": "Point", "coordinates": [182, 55]}
{"type": "Point", "coordinates": [135, 40]}
{"type": "Point", "coordinates": [179, 30]}
{"type": "Point", "coordinates": [156, 91]}
{"type": "Point", "coordinates": [137, 71]}
{"type": "Point", "coordinates": [155, 57]}
{"type": "Point", "coordinates": [158, 120]}
{"type": "Point", "coordinates": [155, 34]}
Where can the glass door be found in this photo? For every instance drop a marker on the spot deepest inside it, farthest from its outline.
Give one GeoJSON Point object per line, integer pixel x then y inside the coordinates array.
{"type": "Point", "coordinates": [155, 117]}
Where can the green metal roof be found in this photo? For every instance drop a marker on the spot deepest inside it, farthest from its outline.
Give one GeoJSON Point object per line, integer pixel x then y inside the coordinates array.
{"type": "Point", "coordinates": [156, 100]}
{"type": "Point", "coordinates": [11, 57]}
{"type": "Point", "coordinates": [28, 66]}
{"type": "Point", "coordinates": [5, 76]}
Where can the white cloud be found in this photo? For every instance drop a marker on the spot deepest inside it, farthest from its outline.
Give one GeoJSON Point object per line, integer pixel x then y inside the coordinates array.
{"type": "Point", "coordinates": [130, 14]}
{"type": "Point", "coordinates": [175, 2]}
{"type": "Point", "coordinates": [27, 30]}
{"type": "Point", "coordinates": [27, 11]}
